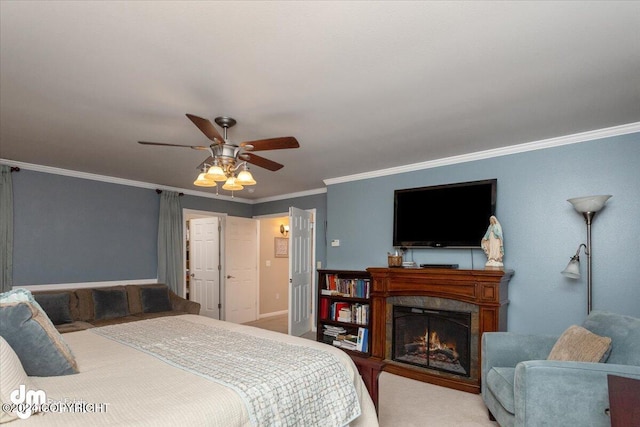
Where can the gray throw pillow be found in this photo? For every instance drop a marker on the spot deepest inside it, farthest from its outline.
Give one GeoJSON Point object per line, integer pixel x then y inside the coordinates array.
{"type": "Point", "coordinates": [30, 333]}
{"type": "Point", "coordinates": [155, 299]}
{"type": "Point", "coordinates": [110, 303]}
{"type": "Point", "coordinates": [56, 306]}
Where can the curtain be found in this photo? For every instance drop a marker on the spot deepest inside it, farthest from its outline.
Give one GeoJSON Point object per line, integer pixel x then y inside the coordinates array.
{"type": "Point", "coordinates": [170, 270]}
{"type": "Point", "coordinates": [6, 229]}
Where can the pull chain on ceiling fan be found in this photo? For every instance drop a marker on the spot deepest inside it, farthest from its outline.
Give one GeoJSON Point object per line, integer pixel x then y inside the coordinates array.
{"type": "Point", "coordinates": [228, 162]}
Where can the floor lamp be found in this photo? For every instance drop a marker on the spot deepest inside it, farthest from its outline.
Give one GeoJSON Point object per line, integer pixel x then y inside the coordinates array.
{"type": "Point", "coordinates": [587, 206]}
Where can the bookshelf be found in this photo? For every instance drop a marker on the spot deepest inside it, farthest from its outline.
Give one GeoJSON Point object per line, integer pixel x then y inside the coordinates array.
{"type": "Point", "coordinates": [344, 310]}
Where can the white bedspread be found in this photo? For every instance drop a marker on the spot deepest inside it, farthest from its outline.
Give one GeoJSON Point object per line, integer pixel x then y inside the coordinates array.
{"type": "Point", "coordinates": [281, 384]}
{"type": "Point", "coordinates": [142, 390]}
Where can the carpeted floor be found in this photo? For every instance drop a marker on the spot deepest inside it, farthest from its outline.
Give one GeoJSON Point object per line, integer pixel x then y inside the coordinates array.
{"type": "Point", "coordinates": [403, 402]}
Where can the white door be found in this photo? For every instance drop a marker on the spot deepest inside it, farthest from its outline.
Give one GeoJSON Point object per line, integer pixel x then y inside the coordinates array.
{"type": "Point", "coordinates": [204, 265]}
{"type": "Point", "coordinates": [300, 271]}
{"type": "Point", "coordinates": [241, 269]}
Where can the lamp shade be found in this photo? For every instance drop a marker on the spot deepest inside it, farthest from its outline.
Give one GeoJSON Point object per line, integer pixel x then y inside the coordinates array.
{"type": "Point", "coordinates": [216, 173]}
{"type": "Point", "coordinates": [245, 178]}
{"type": "Point", "coordinates": [589, 203]}
{"type": "Point", "coordinates": [573, 269]}
{"type": "Point", "coordinates": [202, 181]}
{"type": "Point", "coordinates": [232, 185]}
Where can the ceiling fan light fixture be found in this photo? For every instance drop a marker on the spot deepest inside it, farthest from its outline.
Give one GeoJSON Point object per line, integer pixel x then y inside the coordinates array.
{"type": "Point", "coordinates": [245, 178]}
{"type": "Point", "coordinates": [228, 161]}
{"type": "Point", "coordinates": [216, 173]}
{"type": "Point", "coordinates": [203, 181]}
{"type": "Point", "coordinates": [232, 185]}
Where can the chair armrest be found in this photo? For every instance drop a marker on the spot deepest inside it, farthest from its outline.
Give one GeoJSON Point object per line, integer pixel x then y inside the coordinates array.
{"type": "Point", "coordinates": [180, 304]}
{"type": "Point", "coordinates": [565, 393]}
{"type": "Point", "coordinates": [507, 349]}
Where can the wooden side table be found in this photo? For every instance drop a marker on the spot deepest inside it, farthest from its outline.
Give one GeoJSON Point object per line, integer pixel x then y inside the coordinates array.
{"type": "Point", "coordinates": [624, 401]}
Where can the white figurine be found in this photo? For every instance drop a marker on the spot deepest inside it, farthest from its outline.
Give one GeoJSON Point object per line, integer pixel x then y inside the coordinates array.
{"type": "Point", "coordinates": [492, 243]}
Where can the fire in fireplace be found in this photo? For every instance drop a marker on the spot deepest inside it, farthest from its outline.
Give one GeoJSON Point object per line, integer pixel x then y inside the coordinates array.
{"type": "Point", "coordinates": [433, 339]}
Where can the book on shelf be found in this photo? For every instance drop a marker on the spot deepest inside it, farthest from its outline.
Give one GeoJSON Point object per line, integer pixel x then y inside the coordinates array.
{"type": "Point", "coordinates": [348, 341]}
{"type": "Point", "coordinates": [336, 307]}
{"type": "Point", "coordinates": [344, 315]}
{"type": "Point", "coordinates": [333, 331]}
{"type": "Point", "coordinates": [331, 282]}
{"type": "Point", "coordinates": [324, 308]}
{"type": "Point", "coordinates": [362, 341]}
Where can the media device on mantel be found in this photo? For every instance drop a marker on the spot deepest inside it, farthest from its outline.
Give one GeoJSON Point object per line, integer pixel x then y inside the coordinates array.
{"type": "Point", "coordinates": [451, 215]}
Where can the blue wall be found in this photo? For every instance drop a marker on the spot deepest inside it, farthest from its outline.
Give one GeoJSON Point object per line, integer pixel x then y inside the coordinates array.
{"type": "Point", "coordinates": [542, 230]}
{"type": "Point", "coordinates": [70, 230]}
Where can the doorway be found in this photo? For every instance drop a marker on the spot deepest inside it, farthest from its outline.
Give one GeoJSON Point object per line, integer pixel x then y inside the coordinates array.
{"type": "Point", "coordinates": [281, 295]}
{"type": "Point", "coordinates": [231, 259]}
{"type": "Point", "coordinates": [287, 282]}
{"type": "Point", "coordinates": [202, 260]}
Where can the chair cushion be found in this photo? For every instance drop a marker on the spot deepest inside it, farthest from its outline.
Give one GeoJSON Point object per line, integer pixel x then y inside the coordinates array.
{"type": "Point", "coordinates": [155, 299]}
{"type": "Point", "coordinates": [30, 333]}
{"type": "Point", "coordinates": [500, 383]}
{"type": "Point", "coordinates": [580, 345]}
{"type": "Point", "coordinates": [56, 306]}
{"type": "Point", "coordinates": [624, 332]}
{"type": "Point", "coordinates": [110, 303]}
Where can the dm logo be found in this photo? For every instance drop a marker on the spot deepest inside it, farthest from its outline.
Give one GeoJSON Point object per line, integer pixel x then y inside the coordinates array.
{"type": "Point", "coordinates": [27, 401]}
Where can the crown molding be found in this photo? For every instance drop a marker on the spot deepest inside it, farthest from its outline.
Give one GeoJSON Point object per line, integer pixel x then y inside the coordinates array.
{"type": "Point", "coordinates": [141, 184]}
{"type": "Point", "coordinates": [292, 195]}
{"type": "Point", "coordinates": [480, 155]}
{"type": "Point", "coordinates": [119, 181]}
{"type": "Point", "coordinates": [497, 152]}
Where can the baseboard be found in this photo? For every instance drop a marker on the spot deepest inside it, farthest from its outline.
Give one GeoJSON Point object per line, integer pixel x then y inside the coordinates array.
{"type": "Point", "coordinates": [272, 314]}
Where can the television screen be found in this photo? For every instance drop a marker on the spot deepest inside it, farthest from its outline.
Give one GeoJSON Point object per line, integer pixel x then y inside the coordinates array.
{"type": "Point", "coordinates": [452, 215]}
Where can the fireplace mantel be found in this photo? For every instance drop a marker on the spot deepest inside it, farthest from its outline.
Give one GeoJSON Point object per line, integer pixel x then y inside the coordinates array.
{"type": "Point", "coordinates": [485, 289]}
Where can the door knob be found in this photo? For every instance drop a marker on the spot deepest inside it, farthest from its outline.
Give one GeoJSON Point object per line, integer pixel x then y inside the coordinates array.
{"type": "Point", "coordinates": [230, 276]}
{"type": "Point", "coordinates": [193, 274]}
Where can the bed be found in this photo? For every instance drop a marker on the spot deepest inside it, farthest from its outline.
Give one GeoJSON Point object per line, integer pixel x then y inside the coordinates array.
{"type": "Point", "coordinates": [129, 376]}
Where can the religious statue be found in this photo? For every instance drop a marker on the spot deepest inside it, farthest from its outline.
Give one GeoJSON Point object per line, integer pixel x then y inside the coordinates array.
{"type": "Point", "coordinates": [492, 243]}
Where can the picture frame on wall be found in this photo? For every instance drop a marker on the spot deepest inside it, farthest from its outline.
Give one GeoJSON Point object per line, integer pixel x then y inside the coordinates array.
{"type": "Point", "coordinates": [281, 247]}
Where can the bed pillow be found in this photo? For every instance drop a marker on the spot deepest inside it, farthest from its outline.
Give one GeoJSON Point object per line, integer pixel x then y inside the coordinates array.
{"type": "Point", "coordinates": [30, 333]}
{"type": "Point", "coordinates": [56, 306]}
{"type": "Point", "coordinates": [13, 376]}
{"type": "Point", "coordinates": [155, 299]}
{"type": "Point", "coordinates": [110, 303]}
{"type": "Point", "coordinates": [580, 345]}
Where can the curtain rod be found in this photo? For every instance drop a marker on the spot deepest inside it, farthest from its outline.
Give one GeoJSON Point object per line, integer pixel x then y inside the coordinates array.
{"type": "Point", "coordinates": [160, 191]}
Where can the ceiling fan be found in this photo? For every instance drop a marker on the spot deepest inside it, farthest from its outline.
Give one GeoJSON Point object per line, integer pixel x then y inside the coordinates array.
{"type": "Point", "coordinates": [227, 161]}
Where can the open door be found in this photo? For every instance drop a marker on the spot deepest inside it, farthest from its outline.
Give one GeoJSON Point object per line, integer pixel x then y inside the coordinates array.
{"type": "Point", "coordinates": [300, 271]}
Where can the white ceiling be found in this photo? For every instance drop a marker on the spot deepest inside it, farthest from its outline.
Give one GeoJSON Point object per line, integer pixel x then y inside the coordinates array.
{"type": "Point", "coordinates": [361, 85]}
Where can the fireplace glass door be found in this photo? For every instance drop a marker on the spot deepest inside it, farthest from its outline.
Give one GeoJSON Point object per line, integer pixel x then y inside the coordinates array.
{"type": "Point", "coordinates": [433, 339]}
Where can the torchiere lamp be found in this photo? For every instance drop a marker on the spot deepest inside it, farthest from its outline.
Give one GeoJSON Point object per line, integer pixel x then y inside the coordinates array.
{"type": "Point", "coordinates": [587, 206]}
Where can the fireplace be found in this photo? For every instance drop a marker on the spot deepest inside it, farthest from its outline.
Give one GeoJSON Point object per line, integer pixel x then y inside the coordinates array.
{"type": "Point", "coordinates": [452, 308]}
{"type": "Point", "coordinates": [432, 339]}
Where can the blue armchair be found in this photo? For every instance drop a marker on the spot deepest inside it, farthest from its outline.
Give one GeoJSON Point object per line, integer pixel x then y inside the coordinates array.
{"type": "Point", "coordinates": [521, 388]}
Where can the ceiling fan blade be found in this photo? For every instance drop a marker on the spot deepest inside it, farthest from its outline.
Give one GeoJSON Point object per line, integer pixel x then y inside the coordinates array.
{"type": "Point", "coordinates": [271, 144]}
{"type": "Point", "coordinates": [195, 147]}
{"type": "Point", "coordinates": [207, 128]}
{"type": "Point", "coordinates": [262, 162]}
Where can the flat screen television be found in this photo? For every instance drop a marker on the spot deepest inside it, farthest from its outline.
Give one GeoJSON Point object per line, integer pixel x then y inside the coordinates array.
{"type": "Point", "coordinates": [451, 215]}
